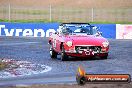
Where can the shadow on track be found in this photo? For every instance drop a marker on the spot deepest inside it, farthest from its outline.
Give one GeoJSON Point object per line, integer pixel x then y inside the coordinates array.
{"type": "Point", "coordinates": [83, 59]}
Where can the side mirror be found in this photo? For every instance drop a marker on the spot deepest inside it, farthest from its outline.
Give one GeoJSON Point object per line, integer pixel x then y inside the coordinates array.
{"type": "Point", "coordinates": [100, 33]}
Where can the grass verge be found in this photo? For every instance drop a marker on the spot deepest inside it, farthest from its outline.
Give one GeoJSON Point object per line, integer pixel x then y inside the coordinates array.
{"type": "Point", "coordinates": [59, 21]}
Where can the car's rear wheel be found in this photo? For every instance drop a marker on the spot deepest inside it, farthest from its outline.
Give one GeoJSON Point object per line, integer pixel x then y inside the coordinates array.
{"type": "Point", "coordinates": [53, 54]}
{"type": "Point", "coordinates": [63, 54]}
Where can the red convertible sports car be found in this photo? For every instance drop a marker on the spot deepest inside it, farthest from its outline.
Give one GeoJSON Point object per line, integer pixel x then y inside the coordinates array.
{"type": "Point", "coordinates": [78, 40]}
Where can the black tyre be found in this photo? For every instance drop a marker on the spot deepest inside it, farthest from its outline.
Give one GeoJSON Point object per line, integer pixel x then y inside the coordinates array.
{"type": "Point", "coordinates": [105, 56]}
{"type": "Point", "coordinates": [53, 54]}
{"type": "Point", "coordinates": [63, 54]}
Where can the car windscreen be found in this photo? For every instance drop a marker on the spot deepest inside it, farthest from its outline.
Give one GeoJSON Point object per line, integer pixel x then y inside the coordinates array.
{"type": "Point", "coordinates": [89, 30]}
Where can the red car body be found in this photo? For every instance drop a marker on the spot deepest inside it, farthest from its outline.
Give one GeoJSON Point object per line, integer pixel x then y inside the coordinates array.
{"type": "Point", "coordinates": [78, 44]}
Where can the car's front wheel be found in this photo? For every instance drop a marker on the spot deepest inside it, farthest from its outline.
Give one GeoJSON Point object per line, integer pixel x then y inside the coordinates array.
{"type": "Point", "coordinates": [63, 54]}
{"type": "Point", "coordinates": [105, 56]}
{"type": "Point", "coordinates": [53, 54]}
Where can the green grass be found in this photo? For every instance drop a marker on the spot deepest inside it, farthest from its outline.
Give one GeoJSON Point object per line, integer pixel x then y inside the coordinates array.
{"type": "Point", "coordinates": [30, 12]}
{"type": "Point", "coordinates": [59, 21]}
{"type": "Point", "coordinates": [25, 12]}
{"type": "Point", "coordinates": [25, 21]}
{"type": "Point", "coordinates": [31, 21]}
{"type": "Point", "coordinates": [63, 14]}
{"type": "Point", "coordinates": [105, 22]}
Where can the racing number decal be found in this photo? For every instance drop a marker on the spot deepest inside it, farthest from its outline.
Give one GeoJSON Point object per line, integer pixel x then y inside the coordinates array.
{"type": "Point", "coordinates": [54, 43]}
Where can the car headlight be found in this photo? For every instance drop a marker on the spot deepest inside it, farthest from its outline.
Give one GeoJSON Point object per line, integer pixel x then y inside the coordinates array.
{"type": "Point", "coordinates": [105, 44]}
{"type": "Point", "coordinates": [69, 43]}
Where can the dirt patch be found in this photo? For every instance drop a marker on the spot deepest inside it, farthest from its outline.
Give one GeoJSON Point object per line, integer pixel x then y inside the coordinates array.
{"type": "Point", "coordinates": [15, 68]}
{"type": "Point", "coordinates": [3, 65]}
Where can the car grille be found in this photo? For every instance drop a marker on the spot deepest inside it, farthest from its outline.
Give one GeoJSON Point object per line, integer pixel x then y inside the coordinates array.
{"type": "Point", "coordinates": [93, 48]}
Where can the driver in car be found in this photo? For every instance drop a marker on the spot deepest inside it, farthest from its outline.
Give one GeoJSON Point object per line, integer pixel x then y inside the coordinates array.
{"type": "Point", "coordinates": [66, 31]}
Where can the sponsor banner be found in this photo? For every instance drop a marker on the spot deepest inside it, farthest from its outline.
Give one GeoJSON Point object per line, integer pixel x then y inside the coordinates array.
{"type": "Point", "coordinates": [108, 30]}
{"type": "Point", "coordinates": [45, 29]}
{"type": "Point", "coordinates": [27, 29]}
{"type": "Point", "coordinates": [123, 31]}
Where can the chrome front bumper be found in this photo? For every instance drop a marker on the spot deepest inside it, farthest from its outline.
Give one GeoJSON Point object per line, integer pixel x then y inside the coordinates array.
{"type": "Point", "coordinates": [86, 51]}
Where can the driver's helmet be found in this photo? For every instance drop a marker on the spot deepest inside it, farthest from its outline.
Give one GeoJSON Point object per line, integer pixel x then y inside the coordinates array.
{"type": "Point", "coordinates": [83, 30]}
{"type": "Point", "coordinates": [66, 31]}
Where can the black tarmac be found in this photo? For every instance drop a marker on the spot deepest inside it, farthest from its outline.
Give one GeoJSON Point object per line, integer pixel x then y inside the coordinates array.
{"type": "Point", "coordinates": [36, 50]}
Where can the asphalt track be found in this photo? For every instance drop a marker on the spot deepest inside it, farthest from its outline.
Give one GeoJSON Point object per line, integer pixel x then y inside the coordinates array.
{"type": "Point", "coordinates": [36, 50]}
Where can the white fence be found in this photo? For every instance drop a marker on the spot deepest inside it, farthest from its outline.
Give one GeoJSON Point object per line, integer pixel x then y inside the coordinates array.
{"type": "Point", "coordinates": [65, 14]}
